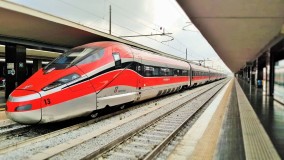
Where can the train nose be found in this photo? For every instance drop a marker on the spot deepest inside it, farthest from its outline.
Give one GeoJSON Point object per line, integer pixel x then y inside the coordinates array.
{"type": "Point", "coordinates": [24, 106]}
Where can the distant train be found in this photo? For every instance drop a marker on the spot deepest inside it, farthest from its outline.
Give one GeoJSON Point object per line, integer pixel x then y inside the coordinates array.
{"type": "Point", "coordinates": [98, 75]}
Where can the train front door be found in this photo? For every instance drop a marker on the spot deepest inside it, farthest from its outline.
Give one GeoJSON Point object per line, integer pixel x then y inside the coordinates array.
{"type": "Point", "coordinates": [140, 80]}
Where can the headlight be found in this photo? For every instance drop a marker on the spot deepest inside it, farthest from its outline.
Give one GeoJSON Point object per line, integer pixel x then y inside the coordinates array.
{"type": "Point", "coordinates": [24, 108]}
{"type": "Point", "coordinates": [61, 81]}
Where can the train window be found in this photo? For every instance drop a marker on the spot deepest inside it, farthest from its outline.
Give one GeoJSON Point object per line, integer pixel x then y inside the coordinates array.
{"type": "Point", "coordinates": [170, 72]}
{"type": "Point", "coordinates": [117, 60]}
{"type": "Point", "coordinates": [70, 58]}
{"type": "Point", "coordinates": [163, 71]}
{"type": "Point", "coordinates": [92, 57]}
{"type": "Point", "coordinates": [75, 55]}
{"type": "Point", "coordinates": [167, 71]}
{"type": "Point", "coordinates": [177, 72]}
{"type": "Point", "coordinates": [184, 73]}
{"type": "Point", "coordinates": [148, 71]}
{"type": "Point", "coordinates": [138, 68]}
{"type": "Point", "coordinates": [156, 71]}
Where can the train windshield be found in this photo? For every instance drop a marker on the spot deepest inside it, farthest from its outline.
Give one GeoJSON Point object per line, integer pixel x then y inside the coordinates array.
{"type": "Point", "coordinates": [72, 57]}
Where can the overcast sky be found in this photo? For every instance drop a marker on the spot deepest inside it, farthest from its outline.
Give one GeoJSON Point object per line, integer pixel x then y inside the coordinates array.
{"type": "Point", "coordinates": [132, 17]}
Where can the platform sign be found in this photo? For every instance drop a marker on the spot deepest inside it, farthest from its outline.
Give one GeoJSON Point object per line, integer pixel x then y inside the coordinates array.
{"type": "Point", "coordinates": [11, 72]}
{"type": "Point", "coordinates": [21, 64]}
{"type": "Point", "coordinates": [15, 75]}
{"type": "Point", "coordinates": [11, 69]}
{"type": "Point", "coordinates": [10, 66]}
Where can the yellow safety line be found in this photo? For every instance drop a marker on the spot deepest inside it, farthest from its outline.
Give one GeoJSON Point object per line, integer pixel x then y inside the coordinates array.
{"type": "Point", "coordinates": [256, 141]}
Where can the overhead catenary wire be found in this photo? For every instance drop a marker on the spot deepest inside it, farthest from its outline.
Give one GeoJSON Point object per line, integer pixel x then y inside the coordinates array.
{"type": "Point", "coordinates": [101, 20]}
{"type": "Point", "coordinates": [121, 10]}
{"type": "Point", "coordinates": [133, 13]}
{"type": "Point", "coordinates": [85, 11]}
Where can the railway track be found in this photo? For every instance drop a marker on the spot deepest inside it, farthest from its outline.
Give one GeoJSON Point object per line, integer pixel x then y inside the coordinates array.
{"type": "Point", "coordinates": [98, 141]}
{"type": "Point", "coordinates": [15, 135]}
{"type": "Point", "coordinates": [6, 125]}
{"type": "Point", "coordinates": [149, 141]}
{"type": "Point", "coordinates": [25, 135]}
{"type": "Point", "coordinates": [26, 149]}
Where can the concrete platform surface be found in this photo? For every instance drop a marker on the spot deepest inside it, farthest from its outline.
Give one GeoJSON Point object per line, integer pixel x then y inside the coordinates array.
{"type": "Point", "coordinates": [269, 112]}
{"type": "Point", "coordinates": [228, 129]}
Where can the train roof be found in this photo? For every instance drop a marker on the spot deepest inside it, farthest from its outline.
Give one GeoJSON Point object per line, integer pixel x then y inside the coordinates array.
{"type": "Point", "coordinates": [102, 44]}
{"type": "Point", "coordinates": [154, 57]}
{"type": "Point", "coordinates": [198, 67]}
{"type": "Point", "coordinates": [215, 70]}
{"type": "Point", "coordinates": [151, 58]}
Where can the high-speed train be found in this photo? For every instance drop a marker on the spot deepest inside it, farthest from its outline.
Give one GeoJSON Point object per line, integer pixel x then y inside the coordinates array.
{"type": "Point", "coordinates": [98, 75]}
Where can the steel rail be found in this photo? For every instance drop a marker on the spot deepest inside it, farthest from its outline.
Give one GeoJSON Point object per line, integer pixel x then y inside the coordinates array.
{"type": "Point", "coordinates": [128, 135]}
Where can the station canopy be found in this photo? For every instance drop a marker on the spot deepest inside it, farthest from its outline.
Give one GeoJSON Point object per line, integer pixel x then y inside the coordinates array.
{"type": "Point", "coordinates": [238, 30]}
{"type": "Point", "coordinates": [23, 25]}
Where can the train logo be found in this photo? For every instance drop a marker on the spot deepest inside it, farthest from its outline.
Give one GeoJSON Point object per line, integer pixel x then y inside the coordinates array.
{"type": "Point", "coordinates": [115, 89]}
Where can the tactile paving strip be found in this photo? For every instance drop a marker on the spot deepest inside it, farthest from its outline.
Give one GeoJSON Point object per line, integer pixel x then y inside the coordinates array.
{"type": "Point", "coordinates": [256, 141]}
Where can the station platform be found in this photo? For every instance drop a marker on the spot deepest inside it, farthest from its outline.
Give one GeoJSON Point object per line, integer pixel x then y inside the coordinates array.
{"type": "Point", "coordinates": [236, 125]}
{"type": "Point", "coordinates": [2, 105]}
{"type": "Point", "coordinates": [2, 100]}
{"type": "Point", "coordinates": [269, 112]}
